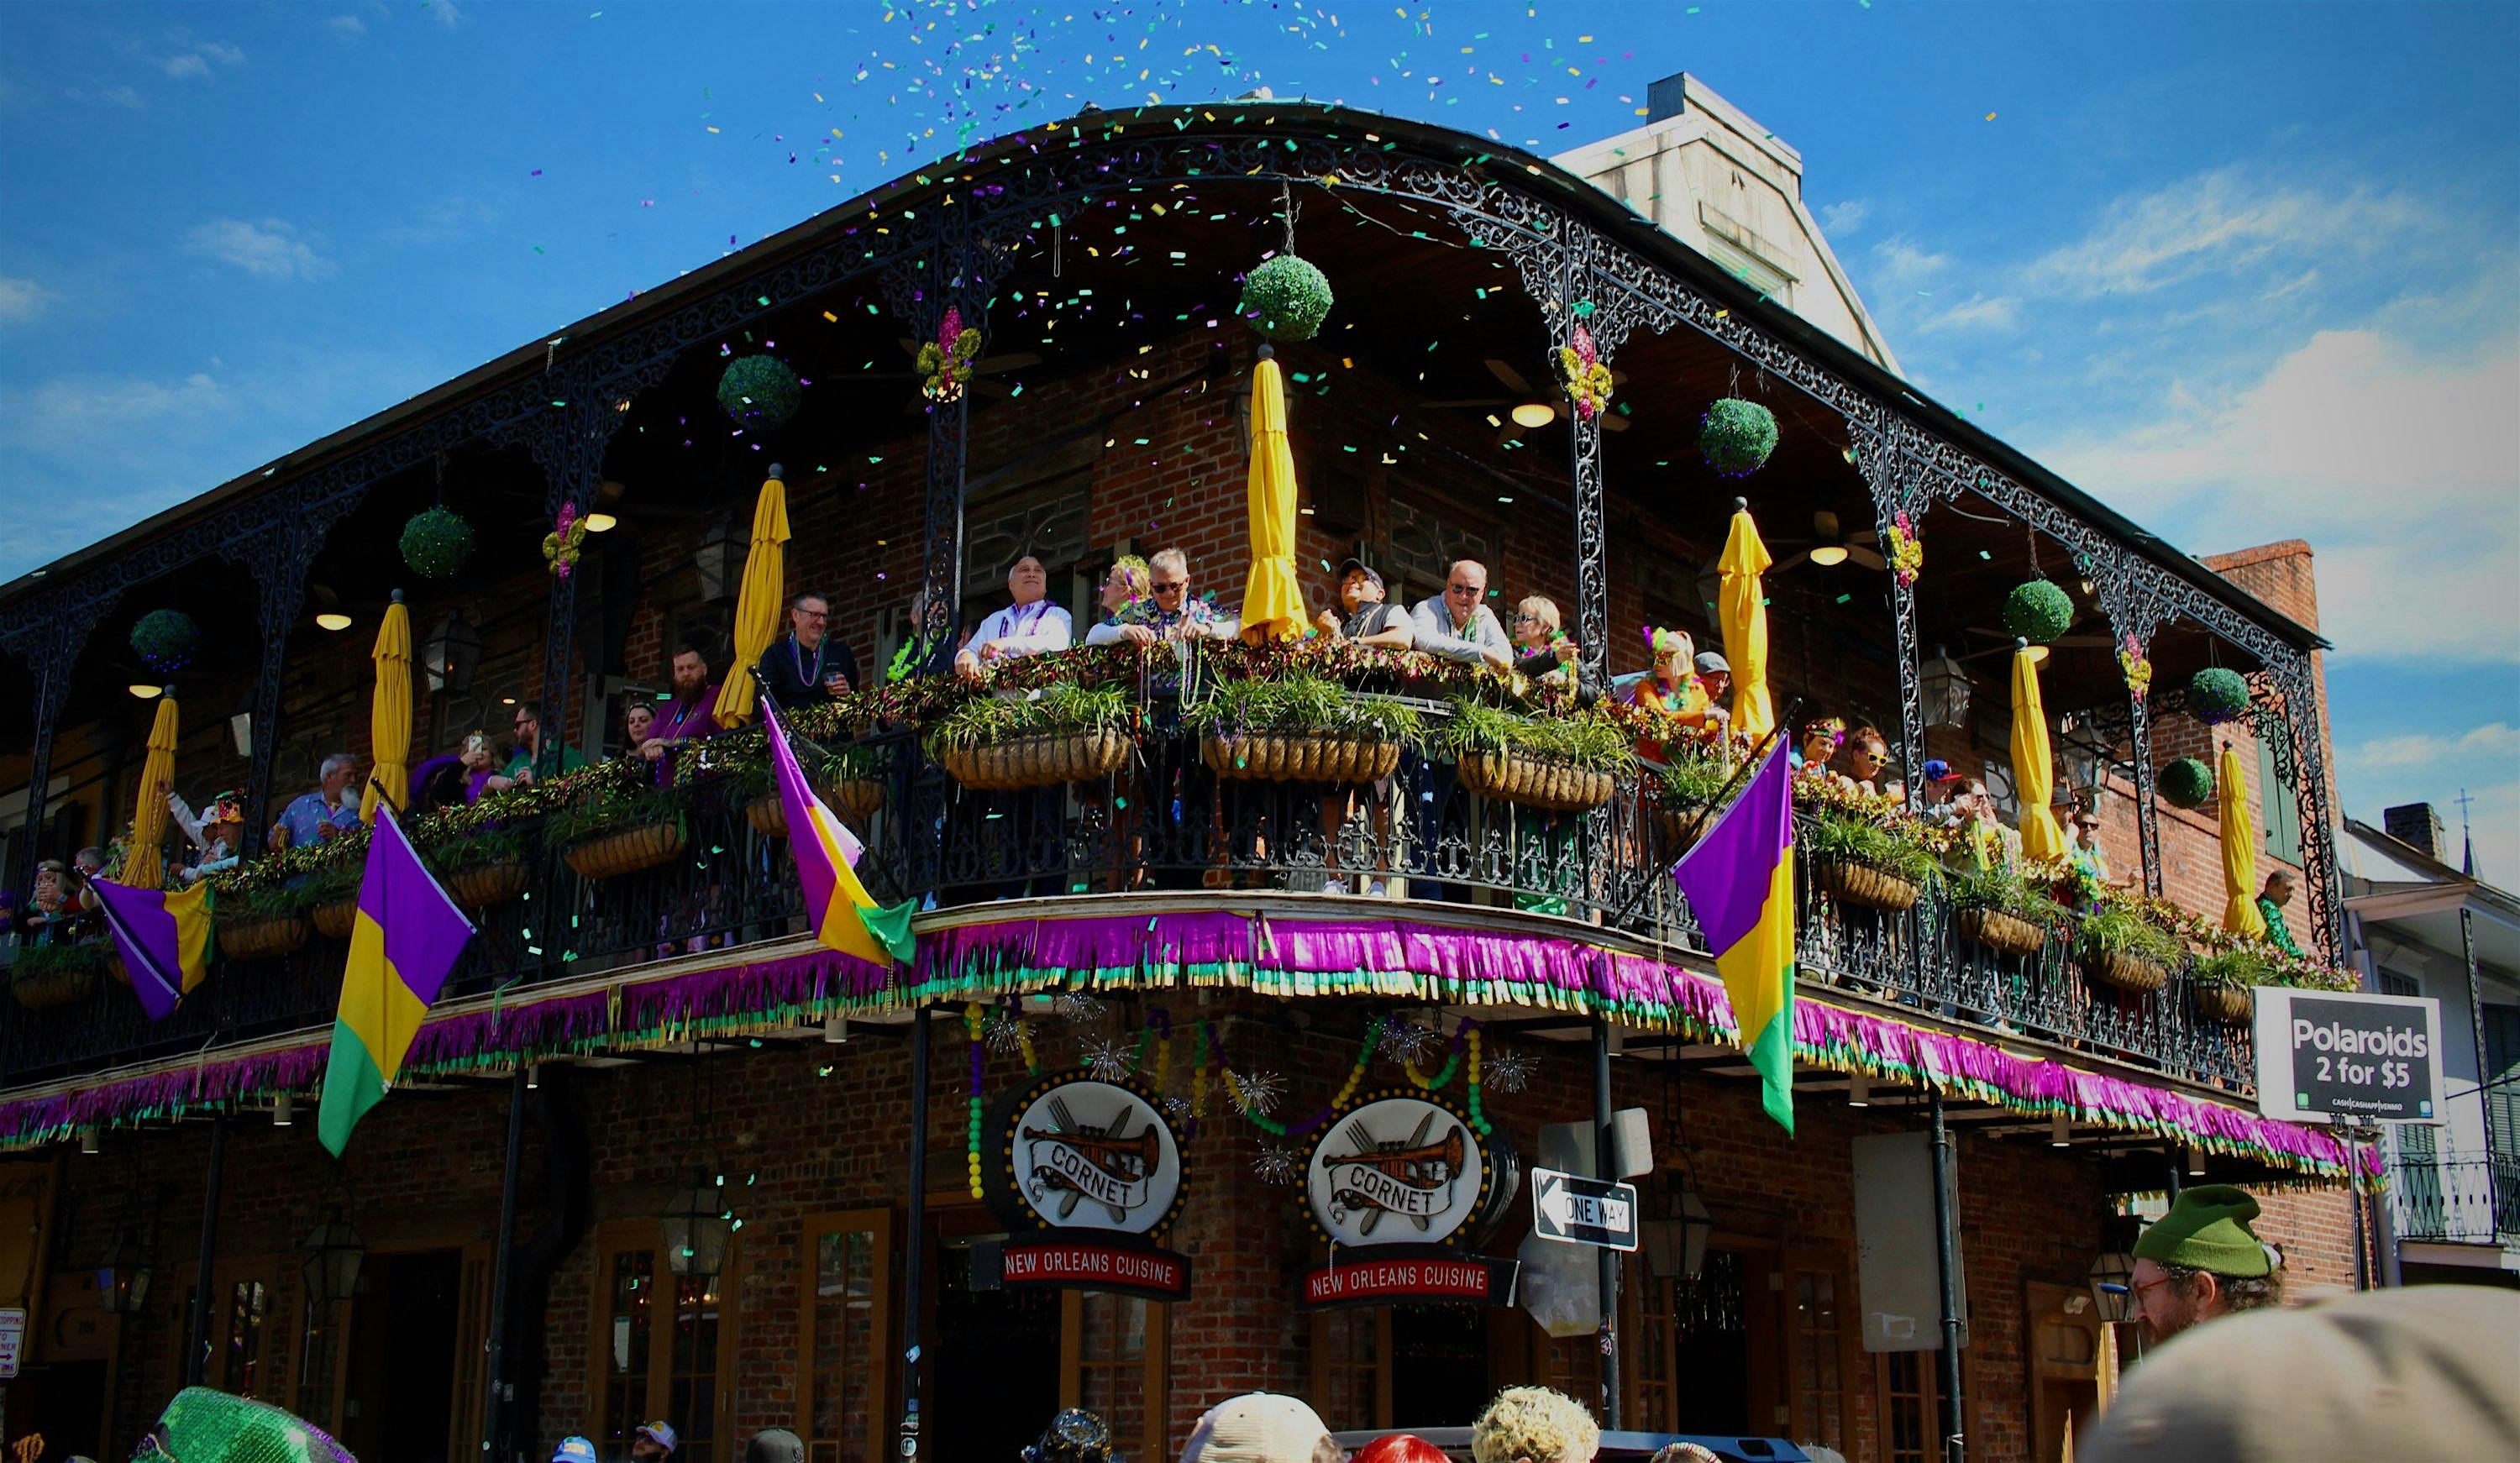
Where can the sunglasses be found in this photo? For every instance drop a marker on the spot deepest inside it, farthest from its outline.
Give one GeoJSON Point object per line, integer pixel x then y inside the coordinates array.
{"type": "Point", "coordinates": [1169, 586]}
{"type": "Point", "coordinates": [1463, 589]}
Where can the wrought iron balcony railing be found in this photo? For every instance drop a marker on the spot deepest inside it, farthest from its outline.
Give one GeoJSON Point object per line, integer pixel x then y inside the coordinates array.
{"type": "Point", "coordinates": [2472, 1201]}
{"type": "Point", "coordinates": [1161, 822]}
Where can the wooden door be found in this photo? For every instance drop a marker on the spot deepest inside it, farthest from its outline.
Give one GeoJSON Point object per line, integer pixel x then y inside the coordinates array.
{"type": "Point", "coordinates": [2073, 1367]}
{"type": "Point", "coordinates": [844, 1343]}
{"type": "Point", "coordinates": [663, 1345]}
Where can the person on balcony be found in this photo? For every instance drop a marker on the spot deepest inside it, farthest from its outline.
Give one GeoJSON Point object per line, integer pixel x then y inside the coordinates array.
{"type": "Point", "coordinates": [804, 666]}
{"type": "Point", "coordinates": [1943, 789]}
{"type": "Point", "coordinates": [52, 912]}
{"type": "Point", "coordinates": [1030, 626]}
{"type": "Point", "coordinates": [1868, 756]}
{"type": "Point", "coordinates": [1457, 624]}
{"type": "Point", "coordinates": [1673, 692]}
{"type": "Point", "coordinates": [1818, 745]}
{"type": "Point", "coordinates": [218, 836]}
{"type": "Point", "coordinates": [1362, 616]}
{"type": "Point", "coordinates": [2272, 900]}
{"type": "Point", "coordinates": [1179, 792]}
{"type": "Point", "coordinates": [1167, 612]}
{"type": "Point", "coordinates": [1715, 673]}
{"type": "Point", "coordinates": [689, 717]}
{"type": "Point", "coordinates": [1124, 585]}
{"type": "Point", "coordinates": [1545, 653]}
{"type": "Point", "coordinates": [536, 758]}
{"type": "Point", "coordinates": [328, 812]}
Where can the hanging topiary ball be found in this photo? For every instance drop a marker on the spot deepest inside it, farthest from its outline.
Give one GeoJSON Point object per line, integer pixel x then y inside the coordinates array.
{"type": "Point", "coordinates": [758, 391]}
{"type": "Point", "coordinates": [1286, 298]}
{"type": "Point", "coordinates": [2187, 784]}
{"type": "Point", "coordinates": [166, 640]}
{"type": "Point", "coordinates": [2216, 695]}
{"type": "Point", "coordinates": [436, 542]}
{"type": "Point", "coordinates": [1737, 436]}
{"type": "Point", "coordinates": [2039, 611]}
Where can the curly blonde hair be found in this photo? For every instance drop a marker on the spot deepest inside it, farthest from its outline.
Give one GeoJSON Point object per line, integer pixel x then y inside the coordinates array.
{"type": "Point", "coordinates": [1534, 1425]}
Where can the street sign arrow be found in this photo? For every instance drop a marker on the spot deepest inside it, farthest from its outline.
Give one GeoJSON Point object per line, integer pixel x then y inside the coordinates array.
{"type": "Point", "coordinates": [1574, 1210]}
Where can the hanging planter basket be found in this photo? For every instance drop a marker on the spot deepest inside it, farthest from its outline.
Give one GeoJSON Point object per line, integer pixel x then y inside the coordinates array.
{"type": "Point", "coordinates": [2216, 695]}
{"type": "Point", "coordinates": [1286, 298]}
{"type": "Point", "coordinates": [60, 985]}
{"type": "Point", "coordinates": [1680, 827]}
{"type": "Point", "coordinates": [1049, 760]}
{"type": "Point", "coordinates": [853, 798]}
{"type": "Point", "coordinates": [1531, 781]}
{"type": "Point", "coordinates": [2223, 1001]}
{"type": "Point", "coordinates": [166, 640]}
{"type": "Point", "coordinates": [607, 856]}
{"type": "Point", "coordinates": [2039, 611]}
{"type": "Point", "coordinates": [436, 542]}
{"type": "Point", "coordinates": [1342, 758]}
{"type": "Point", "coordinates": [336, 920]}
{"type": "Point", "coordinates": [1862, 884]}
{"type": "Point", "coordinates": [1737, 436]}
{"type": "Point", "coordinates": [2002, 931]}
{"type": "Point", "coordinates": [261, 937]}
{"type": "Point", "coordinates": [2115, 967]}
{"type": "Point", "coordinates": [484, 885]}
{"type": "Point", "coordinates": [2187, 782]}
{"type": "Point", "coordinates": [759, 391]}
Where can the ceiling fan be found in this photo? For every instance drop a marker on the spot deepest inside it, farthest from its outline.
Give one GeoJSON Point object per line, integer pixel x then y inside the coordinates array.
{"type": "Point", "coordinates": [1528, 409]}
{"type": "Point", "coordinates": [1831, 547]}
{"type": "Point", "coordinates": [982, 368]}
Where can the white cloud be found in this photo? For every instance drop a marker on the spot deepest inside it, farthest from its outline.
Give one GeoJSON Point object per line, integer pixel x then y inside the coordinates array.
{"type": "Point", "coordinates": [1979, 311]}
{"type": "Point", "coordinates": [112, 96]}
{"type": "Point", "coordinates": [2495, 742]}
{"type": "Point", "coordinates": [2385, 772]}
{"type": "Point", "coordinates": [270, 249]}
{"type": "Point", "coordinates": [2400, 469]}
{"type": "Point", "coordinates": [186, 65]}
{"type": "Point", "coordinates": [444, 11]}
{"type": "Point", "coordinates": [197, 58]}
{"type": "Point", "coordinates": [1902, 265]}
{"type": "Point", "coordinates": [21, 301]}
{"type": "Point", "coordinates": [2223, 222]}
{"type": "Point", "coordinates": [348, 27]}
{"type": "Point", "coordinates": [1844, 218]}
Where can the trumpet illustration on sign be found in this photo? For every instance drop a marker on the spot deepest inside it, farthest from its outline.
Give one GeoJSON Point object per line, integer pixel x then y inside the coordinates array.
{"type": "Point", "coordinates": [1079, 1161]}
{"type": "Point", "coordinates": [1412, 1178]}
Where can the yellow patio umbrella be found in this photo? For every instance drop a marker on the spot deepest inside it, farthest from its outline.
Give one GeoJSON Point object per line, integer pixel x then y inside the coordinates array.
{"type": "Point", "coordinates": [1743, 610]}
{"type": "Point", "coordinates": [144, 866]}
{"type": "Point", "coordinates": [2034, 766]}
{"type": "Point", "coordinates": [2239, 849]}
{"type": "Point", "coordinates": [757, 603]}
{"type": "Point", "coordinates": [1273, 603]}
{"type": "Point", "coordinates": [389, 712]}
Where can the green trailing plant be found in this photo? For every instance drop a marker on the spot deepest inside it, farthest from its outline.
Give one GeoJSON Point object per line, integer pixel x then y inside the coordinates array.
{"type": "Point", "coordinates": [2238, 965]}
{"type": "Point", "coordinates": [1693, 778]}
{"type": "Point", "coordinates": [612, 810]}
{"type": "Point", "coordinates": [2216, 695]}
{"type": "Point", "coordinates": [2006, 892]}
{"type": "Point", "coordinates": [449, 852]}
{"type": "Point", "coordinates": [1057, 709]}
{"type": "Point", "coordinates": [166, 640]}
{"type": "Point", "coordinates": [1737, 436]}
{"type": "Point", "coordinates": [327, 883]}
{"type": "Point", "coordinates": [436, 542]}
{"type": "Point", "coordinates": [1297, 703]}
{"type": "Point", "coordinates": [1286, 298]}
{"type": "Point", "coordinates": [2187, 782]}
{"type": "Point", "coordinates": [59, 957]}
{"type": "Point", "coordinates": [2114, 929]}
{"type": "Point", "coordinates": [758, 390]}
{"type": "Point", "coordinates": [753, 776]}
{"type": "Point", "coordinates": [2039, 611]}
{"type": "Point", "coordinates": [1894, 848]}
{"type": "Point", "coordinates": [1590, 743]}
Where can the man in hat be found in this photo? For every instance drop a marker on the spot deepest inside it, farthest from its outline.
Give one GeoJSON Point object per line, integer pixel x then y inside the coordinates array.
{"type": "Point", "coordinates": [1362, 616]}
{"type": "Point", "coordinates": [1715, 673]}
{"type": "Point", "coordinates": [573, 1449]}
{"type": "Point", "coordinates": [2202, 1260]}
{"type": "Point", "coordinates": [654, 1442]}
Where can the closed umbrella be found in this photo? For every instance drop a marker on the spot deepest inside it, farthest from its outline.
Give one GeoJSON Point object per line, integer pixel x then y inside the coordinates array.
{"type": "Point", "coordinates": [2034, 766]}
{"type": "Point", "coordinates": [1744, 609]}
{"type": "Point", "coordinates": [758, 601]}
{"type": "Point", "coordinates": [1273, 603]}
{"type": "Point", "coordinates": [144, 866]}
{"type": "Point", "coordinates": [2239, 849]}
{"type": "Point", "coordinates": [389, 712]}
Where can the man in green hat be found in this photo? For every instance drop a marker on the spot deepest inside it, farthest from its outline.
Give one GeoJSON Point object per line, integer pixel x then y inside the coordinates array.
{"type": "Point", "coordinates": [2202, 1260]}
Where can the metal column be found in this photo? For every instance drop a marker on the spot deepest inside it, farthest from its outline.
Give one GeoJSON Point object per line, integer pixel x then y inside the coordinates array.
{"type": "Point", "coordinates": [1604, 1165]}
{"type": "Point", "coordinates": [495, 1398]}
{"type": "Point", "coordinates": [1946, 1245]}
{"type": "Point", "coordinates": [197, 1356]}
{"type": "Point", "coordinates": [915, 1254]}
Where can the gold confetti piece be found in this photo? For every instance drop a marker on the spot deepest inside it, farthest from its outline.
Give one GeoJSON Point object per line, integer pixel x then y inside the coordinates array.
{"type": "Point", "coordinates": [1989, 116]}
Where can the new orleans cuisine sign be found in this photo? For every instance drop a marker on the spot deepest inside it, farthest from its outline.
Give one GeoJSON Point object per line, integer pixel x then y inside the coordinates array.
{"type": "Point", "coordinates": [1088, 1172]}
{"type": "Point", "coordinates": [1399, 1184]}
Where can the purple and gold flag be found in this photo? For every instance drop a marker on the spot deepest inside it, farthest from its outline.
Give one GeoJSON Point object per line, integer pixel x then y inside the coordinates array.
{"type": "Point", "coordinates": [1739, 879]}
{"type": "Point", "coordinates": [407, 938]}
{"type": "Point", "coordinates": [164, 940]}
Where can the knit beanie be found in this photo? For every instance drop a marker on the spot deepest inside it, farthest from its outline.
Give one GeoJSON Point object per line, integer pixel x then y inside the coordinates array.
{"type": "Point", "coordinates": [2208, 1229]}
{"type": "Point", "coordinates": [1261, 1427]}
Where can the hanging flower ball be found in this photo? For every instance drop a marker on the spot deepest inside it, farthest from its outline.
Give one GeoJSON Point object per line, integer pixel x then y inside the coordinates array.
{"type": "Point", "coordinates": [758, 391]}
{"type": "Point", "coordinates": [1737, 436]}
{"type": "Point", "coordinates": [166, 640]}
{"type": "Point", "coordinates": [1286, 298]}
{"type": "Point", "coordinates": [436, 542]}
{"type": "Point", "coordinates": [2216, 695]}
{"type": "Point", "coordinates": [2187, 784]}
{"type": "Point", "coordinates": [2039, 611]}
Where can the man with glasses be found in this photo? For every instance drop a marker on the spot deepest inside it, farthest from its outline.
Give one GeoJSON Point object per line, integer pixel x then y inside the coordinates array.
{"type": "Point", "coordinates": [1169, 612]}
{"type": "Point", "coordinates": [536, 756]}
{"type": "Point", "coordinates": [1030, 626]}
{"type": "Point", "coordinates": [1178, 802]}
{"type": "Point", "coordinates": [1458, 624]}
{"type": "Point", "coordinates": [2201, 1262]}
{"type": "Point", "coordinates": [806, 665]}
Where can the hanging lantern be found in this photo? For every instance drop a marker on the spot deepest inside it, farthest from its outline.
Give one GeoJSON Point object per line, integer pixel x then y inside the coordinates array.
{"type": "Point", "coordinates": [334, 1253]}
{"type": "Point", "coordinates": [122, 1275]}
{"type": "Point", "coordinates": [2085, 760]}
{"type": "Point", "coordinates": [1675, 1246]}
{"type": "Point", "coordinates": [451, 653]}
{"type": "Point", "coordinates": [720, 560]}
{"type": "Point", "coordinates": [1943, 689]}
{"type": "Point", "coordinates": [696, 1228]}
{"type": "Point", "coordinates": [2113, 1286]}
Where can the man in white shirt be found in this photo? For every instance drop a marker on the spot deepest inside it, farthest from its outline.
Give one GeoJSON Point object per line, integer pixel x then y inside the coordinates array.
{"type": "Point", "coordinates": [1457, 624]}
{"type": "Point", "coordinates": [1030, 626]}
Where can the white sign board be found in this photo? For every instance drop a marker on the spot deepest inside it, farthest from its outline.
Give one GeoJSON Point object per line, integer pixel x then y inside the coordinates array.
{"type": "Point", "coordinates": [2324, 1055]}
{"type": "Point", "coordinates": [1397, 1170]}
{"type": "Point", "coordinates": [13, 1339]}
{"type": "Point", "coordinates": [1579, 1210]}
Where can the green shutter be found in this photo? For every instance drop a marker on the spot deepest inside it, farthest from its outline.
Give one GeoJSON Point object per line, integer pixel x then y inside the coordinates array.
{"type": "Point", "coordinates": [2502, 1077]}
{"type": "Point", "coordinates": [2280, 803]}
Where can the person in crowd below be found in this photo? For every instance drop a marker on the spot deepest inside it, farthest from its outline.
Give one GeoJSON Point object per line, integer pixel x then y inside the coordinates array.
{"type": "Point", "coordinates": [1400, 1447]}
{"type": "Point", "coordinates": [1029, 626]}
{"type": "Point", "coordinates": [52, 911]}
{"type": "Point", "coordinates": [1074, 1435]}
{"type": "Point", "coordinates": [1123, 586]}
{"type": "Point", "coordinates": [775, 1445]}
{"type": "Point", "coordinates": [1362, 616]}
{"type": "Point", "coordinates": [1457, 624]}
{"type": "Point", "coordinates": [574, 1449]}
{"type": "Point", "coordinates": [1544, 651]}
{"type": "Point", "coordinates": [652, 1442]}
{"type": "Point", "coordinates": [1684, 1452]}
{"type": "Point", "coordinates": [2272, 900]}
{"type": "Point", "coordinates": [805, 665]}
{"type": "Point", "coordinates": [538, 758]}
{"type": "Point", "coordinates": [331, 809]}
{"type": "Point", "coordinates": [2418, 1371]}
{"type": "Point", "coordinates": [2202, 1260]}
{"type": "Point", "coordinates": [205, 1426]}
{"type": "Point", "coordinates": [1167, 612]}
{"type": "Point", "coordinates": [1867, 758]}
{"type": "Point", "coordinates": [1263, 1427]}
{"type": "Point", "coordinates": [1818, 746]}
{"type": "Point", "coordinates": [1534, 1425]}
{"type": "Point", "coordinates": [218, 834]}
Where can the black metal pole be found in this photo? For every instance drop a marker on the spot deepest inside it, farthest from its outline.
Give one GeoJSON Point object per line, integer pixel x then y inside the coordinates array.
{"type": "Point", "coordinates": [494, 1406]}
{"type": "Point", "coordinates": [2361, 1226]}
{"type": "Point", "coordinates": [2476, 1028]}
{"type": "Point", "coordinates": [197, 1356]}
{"type": "Point", "coordinates": [1947, 1258]}
{"type": "Point", "coordinates": [915, 1254]}
{"type": "Point", "coordinates": [1606, 1169]}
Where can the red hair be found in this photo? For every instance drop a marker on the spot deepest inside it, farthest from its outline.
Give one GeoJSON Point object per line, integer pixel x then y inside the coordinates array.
{"type": "Point", "coordinates": [1400, 1447]}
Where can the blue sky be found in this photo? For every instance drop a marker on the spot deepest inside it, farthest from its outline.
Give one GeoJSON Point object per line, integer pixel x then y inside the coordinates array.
{"type": "Point", "coordinates": [2247, 271]}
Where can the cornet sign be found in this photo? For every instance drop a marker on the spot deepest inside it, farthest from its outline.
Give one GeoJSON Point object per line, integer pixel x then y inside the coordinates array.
{"type": "Point", "coordinates": [1077, 1152]}
{"type": "Point", "coordinates": [1398, 1170]}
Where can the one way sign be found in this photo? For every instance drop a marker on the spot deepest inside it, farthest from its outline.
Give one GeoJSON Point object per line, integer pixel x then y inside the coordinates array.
{"type": "Point", "coordinates": [1579, 1210]}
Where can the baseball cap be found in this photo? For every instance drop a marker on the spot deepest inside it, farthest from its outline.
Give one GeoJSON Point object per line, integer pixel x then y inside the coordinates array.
{"type": "Point", "coordinates": [1939, 771]}
{"type": "Point", "coordinates": [1709, 662]}
{"type": "Point", "coordinates": [662, 1434]}
{"type": "Point", "coordinates": [573, 1449]}
{"type": "Point", "coordinates": [1357, 565]}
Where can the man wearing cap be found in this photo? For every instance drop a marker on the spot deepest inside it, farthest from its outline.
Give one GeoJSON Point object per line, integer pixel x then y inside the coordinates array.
{"type": "Point", "coordinates": [1715, 673]}
{"type": "Point", "coordinates": [1362, 616]}
{"type": "Point", "coordinates": [652, 1442]}
{"type": "Point", "coordinates": [574, 1449]}
{"type": "Point", "coordinates": [2202, 1260]}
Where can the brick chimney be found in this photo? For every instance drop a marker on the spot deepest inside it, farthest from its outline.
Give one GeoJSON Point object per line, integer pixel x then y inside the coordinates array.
{"type": "Point", "coordinates": [2417, 825]}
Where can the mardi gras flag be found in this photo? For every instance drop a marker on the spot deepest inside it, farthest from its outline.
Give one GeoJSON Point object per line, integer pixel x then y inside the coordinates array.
{"type": "Point", "coordinates": [1739, 881]}
{"type": "Point", "coordinates": [407, 938]}
{"type": "Point", "coordinates": [844, 915]}
{"type": "Point", "coordinates": [164, 940]}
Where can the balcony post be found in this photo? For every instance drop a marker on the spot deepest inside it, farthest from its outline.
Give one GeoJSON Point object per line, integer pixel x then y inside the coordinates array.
{"type": "Point", "coordinates": [915, 1258]}
{"type": "Point", "coordinates": [1947, 1260]}
{"type": "Point", "coordinates": [1880, 463]}
{"type": "Point", "coordinates": [50, 639]}
{"type": "Point", "coordinates": [501, 1262]}
{"type": "Point", "coordinates": [2134, 621]}
{"type": "Point", "coordinates": [567, 443]}
{"type": "Point", "coordinates": [196, 1333]}
{"type": "Point", "coordinates": [2309, 791]}
{"type": "Point", "coordinates": [2476, 1034]}
{"type": "Point", "coordinates": [280, 559]}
